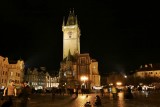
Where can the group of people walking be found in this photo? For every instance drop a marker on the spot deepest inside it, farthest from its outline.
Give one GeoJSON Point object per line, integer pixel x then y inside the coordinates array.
{"type": "Point", "coordinates": [10, 95]}
{"type": "Point", "coordinates": [127, 93]}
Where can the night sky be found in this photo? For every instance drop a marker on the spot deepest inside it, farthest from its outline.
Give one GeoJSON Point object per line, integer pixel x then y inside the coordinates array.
{"type": "Point", "coordinates": [119, 35]}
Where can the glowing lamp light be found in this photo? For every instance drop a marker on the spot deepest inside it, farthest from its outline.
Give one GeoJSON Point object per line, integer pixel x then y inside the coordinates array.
{"type": "Point", "coordinates": [125, 76]}
{"type": "Point", "coordinates": [84, 78]}
{"type": "Point", "coordinates": [119, 83]}
{"type": "Point", "coordinates": [111, 84]}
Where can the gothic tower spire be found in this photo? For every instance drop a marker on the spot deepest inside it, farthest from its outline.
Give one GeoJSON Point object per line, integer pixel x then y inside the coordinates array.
{"type": "Point", "coordinates": [71, 35]}
{"type": "Point", "coordinates": [63, 21]}
{"type": "Point", "coordinates": [69, 56]}
{"type": "Point", "coordinates": [71, 18]}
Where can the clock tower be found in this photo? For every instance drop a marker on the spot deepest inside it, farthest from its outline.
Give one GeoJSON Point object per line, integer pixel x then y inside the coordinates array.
{"type": "Point", "coordinates": [71, 35]}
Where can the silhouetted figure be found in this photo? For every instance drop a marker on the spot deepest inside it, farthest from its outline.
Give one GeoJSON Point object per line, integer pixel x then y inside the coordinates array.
{"type": "Point", "coordinates": [139, 88]}
{"type": "Point", "coordinates": [87, 104]}
{"type": "Point", "coordinates": [114, 92]}
{"type": "Point", "coordinates": [25, 93]}
{"type": "Point", "coordinates": [98, 101]}
{"type": "Point", "coordinates": [86, 95]}
{"type": "Point", "coordinates": [102, 91]}
{"type": "Point", "coordinates": [77, 92]}
{"type": "Point", "coordinates": [128, 94]}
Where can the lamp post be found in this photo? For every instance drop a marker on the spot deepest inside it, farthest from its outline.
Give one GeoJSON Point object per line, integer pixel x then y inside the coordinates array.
{"type": "Point", "coordinates": [84, 78]}
{"type": "Point", "coordinates": [125, 79]}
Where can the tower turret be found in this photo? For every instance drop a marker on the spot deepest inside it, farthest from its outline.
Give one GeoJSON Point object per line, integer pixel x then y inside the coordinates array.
{"type": "Point", "coordinates": [71, 19]}
{"type": "Point", "coordinates": [71, 35]}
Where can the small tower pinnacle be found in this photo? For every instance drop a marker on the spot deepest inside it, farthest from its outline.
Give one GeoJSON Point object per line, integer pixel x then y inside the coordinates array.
{"type": "Point", "coordinates": [63, 21]}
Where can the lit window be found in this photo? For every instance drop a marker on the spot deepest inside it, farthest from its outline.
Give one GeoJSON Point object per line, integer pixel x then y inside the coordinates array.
{"type": "Point", "coordinates": [11, 73]}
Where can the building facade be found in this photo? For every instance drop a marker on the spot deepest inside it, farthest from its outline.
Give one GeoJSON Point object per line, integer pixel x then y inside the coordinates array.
{"type": "Point", "coordinates": [148, 70]}
{"type": "Point", "coordinates": [51, 80]}
{"type": "Point", "coordinates": [77, 69]}
{"type": "Point", "coordinates": [71, 35]}
{"type": "Point", "coordinates": [39, 78]}
{"type": "Point", "coordinates": [11, 70]}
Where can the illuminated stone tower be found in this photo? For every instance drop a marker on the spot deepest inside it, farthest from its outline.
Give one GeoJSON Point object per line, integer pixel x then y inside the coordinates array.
{"type": "Point", "coordinates": [71, 35]}
{"type": "Point", "coordinates": [76, 65]}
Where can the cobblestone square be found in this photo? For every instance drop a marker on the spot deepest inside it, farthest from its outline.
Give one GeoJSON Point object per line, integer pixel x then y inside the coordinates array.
{"type": "Point", "coordinates": [139, 100]}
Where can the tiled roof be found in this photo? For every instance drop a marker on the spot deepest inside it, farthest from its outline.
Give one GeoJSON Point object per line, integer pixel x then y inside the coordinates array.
{"type": "Point", "coordinates": [149, 67]}
{"type": "Point", "coordinates": [12, 61]}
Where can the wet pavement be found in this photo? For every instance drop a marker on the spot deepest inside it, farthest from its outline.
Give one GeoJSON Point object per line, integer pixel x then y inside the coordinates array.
{"type": "Point", "coordinates": [139, 100]}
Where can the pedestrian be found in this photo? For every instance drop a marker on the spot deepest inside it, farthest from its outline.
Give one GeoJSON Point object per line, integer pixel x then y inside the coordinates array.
{"type": "Point", "coordinates": [102, 92]}
{"type": "Point", "coordinates": [25, 94]}
{"type": "Point", "coordinates": [128, 94]}
{"type": "Point", "coordinates": [9, 93]}
{"type": "Point", "coordinates": [77, 92]}
{"type": "Point", "coordinates": [87, 104]}
{"type": "Point", "coordinates": [114, 92]}
{"type": "Point", "coordinates": [98, 101]}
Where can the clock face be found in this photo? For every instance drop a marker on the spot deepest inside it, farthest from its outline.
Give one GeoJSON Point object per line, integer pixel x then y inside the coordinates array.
{"type": "Point", "coordinates": [70, 33]}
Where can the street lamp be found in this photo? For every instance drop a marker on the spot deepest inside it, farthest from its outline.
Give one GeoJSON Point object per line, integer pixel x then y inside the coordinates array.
{"type": "Point", "coordinates": [125, 76]}
{"type": "Point", "coordinates": [119, 83]}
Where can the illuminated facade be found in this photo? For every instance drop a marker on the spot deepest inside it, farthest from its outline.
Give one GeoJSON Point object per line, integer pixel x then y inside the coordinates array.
{"type": "Point", "coordinates": [16, 72]}
{"type": "Point", "coordinates": [32, 77]}
{"type": "Point", "coordinates": [71, 35]}
{"type": "Point", "coordinates": [41, 79]}
{"type": "Point", "coordinates": [76, 69]}
{"type": "Point", "coordinates": [148, 70]}
{"type": "Point", "coordinates": [10, 70]}
{"type": "Point", "coordinates": [51, 81]}
{"type": "Point", "coordinates": [3, 72]}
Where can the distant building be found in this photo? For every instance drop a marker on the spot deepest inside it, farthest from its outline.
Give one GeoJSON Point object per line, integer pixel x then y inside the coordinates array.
{"type": "Point", "coordinates": [32, 77]}
{"type": "Point", "coordinates": [39, 78]}
{"type": "Point", "coordinates": [11, 70]}
{"type": "Point", "coordinates": [4, 71]}
{"type": "Point", "coordinates": [76, 69]}
{"type": "Point", "coordinates": [115, 77]}
{"type": "Point", "coordinates": [16, 71]}
{"type": "Point", "coordinates": [148, 70]}
{"type": "Point", "coordinates": [52, 80]}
